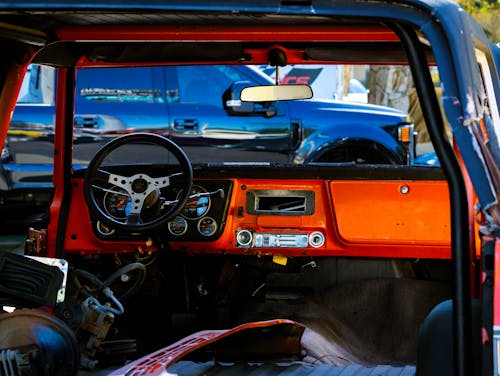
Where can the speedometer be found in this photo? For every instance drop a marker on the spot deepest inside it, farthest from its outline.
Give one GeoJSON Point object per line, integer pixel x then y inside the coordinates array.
{"type": "Point", "coordinates": [197, 205]}
{"type": "Point", "coordinates": [117, 203]}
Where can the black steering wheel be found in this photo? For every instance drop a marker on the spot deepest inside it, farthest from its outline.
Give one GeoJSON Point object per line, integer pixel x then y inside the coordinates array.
{"type": "Point", "coordinates": [134, 201]}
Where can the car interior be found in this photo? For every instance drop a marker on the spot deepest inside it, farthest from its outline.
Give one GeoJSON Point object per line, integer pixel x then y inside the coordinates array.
{"type": "Point", "coordinates": [160, 241]}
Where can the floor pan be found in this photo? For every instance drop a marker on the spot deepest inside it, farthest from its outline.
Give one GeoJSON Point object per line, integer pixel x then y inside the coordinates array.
{"type": "Point", "coordinates": [187, 368]}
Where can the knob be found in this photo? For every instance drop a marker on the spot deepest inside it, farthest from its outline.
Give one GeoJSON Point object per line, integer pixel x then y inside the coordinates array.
{"type": "Point", "coordinates": [316, 239]}
{"type": "Point", "coordinates": [244, 238]}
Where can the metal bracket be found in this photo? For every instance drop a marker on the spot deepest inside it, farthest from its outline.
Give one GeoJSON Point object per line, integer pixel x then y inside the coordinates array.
{"type": "Point", "coordinates": [36, 243]}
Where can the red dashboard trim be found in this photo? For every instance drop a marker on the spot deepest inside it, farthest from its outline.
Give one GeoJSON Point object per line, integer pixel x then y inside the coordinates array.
{"type": "Point", "coordinates": [81, 239]}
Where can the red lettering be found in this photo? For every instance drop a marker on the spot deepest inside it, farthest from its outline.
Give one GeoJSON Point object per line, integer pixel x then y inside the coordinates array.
{"type": "Point", "coordinates": [287, 80]}
{"type": "Point", "coordinates": [304, 80]}
{"type": "Point", "coordinates": [300, 80]}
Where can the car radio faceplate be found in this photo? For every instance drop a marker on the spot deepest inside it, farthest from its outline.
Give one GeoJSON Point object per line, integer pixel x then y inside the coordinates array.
{"type": "Point", "coordinates": [248, 239]}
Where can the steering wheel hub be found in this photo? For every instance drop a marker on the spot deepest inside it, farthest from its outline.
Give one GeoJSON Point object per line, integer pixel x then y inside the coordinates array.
{"type": "Point", "coordinates": [139, 185]}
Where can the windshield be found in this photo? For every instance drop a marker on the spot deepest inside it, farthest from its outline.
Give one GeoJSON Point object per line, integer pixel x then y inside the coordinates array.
{"type": "Point", "coordinates": [352, 117]}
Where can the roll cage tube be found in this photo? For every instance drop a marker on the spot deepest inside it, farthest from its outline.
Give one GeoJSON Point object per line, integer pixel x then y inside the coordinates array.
{"type": "Point", "coordinates": [463, 360]}
{"type": "Point", "coordinates": [10, 89]}
{"type": "Point", "coordinates": [63, 142]}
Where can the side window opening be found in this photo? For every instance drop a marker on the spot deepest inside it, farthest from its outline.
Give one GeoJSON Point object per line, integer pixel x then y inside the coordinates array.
{"type": "Point", "coordinates": [424, 150]}
{"type": "Point", "coordinates": [38, 86]}
{"type": "Point", "coordinates": [488, 97]}
{"type": "Point", "coordinates": [491, 121]}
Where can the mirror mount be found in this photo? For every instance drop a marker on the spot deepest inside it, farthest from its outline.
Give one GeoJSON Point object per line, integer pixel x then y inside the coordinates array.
{"type": "Point", "coordinates": [277, 58]}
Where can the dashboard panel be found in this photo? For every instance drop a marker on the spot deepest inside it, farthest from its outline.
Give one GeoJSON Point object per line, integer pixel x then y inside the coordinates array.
{"type": "Point", "coordinates": [304, 216]}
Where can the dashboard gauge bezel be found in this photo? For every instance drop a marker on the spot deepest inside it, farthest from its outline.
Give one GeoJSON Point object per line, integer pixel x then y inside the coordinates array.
{"type": "Point", "coordinates": [177, 218]}
{"type": "Point", "coordinates": [107, 199]}
{"type": "Point", "coordinates": [213, 223]}
{"type": "Point", "coordinates": [196, 189]}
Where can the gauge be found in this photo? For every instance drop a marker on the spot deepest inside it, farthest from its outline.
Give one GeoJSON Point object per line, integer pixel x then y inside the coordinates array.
{"type": "Point", "coordinates": [117, 203]}
{"type": "Point", "coordinates": [207, 226]}
{"type": "Point", "coordinates": [104, 230]}
{"type": "Point", "coordinates": [196, 206]}
{"type": "Point", "coordinates": [177, 226]}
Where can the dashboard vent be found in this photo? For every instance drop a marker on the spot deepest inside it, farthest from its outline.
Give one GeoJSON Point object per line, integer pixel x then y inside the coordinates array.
{"type": "Point", "coordinates": [280, 202]}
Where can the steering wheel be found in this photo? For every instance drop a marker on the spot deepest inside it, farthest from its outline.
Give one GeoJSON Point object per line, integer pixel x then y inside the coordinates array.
{"type": "Point", "coordinates": [137, 197]}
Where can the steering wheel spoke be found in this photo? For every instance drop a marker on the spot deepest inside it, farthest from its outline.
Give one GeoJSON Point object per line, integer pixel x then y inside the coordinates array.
{"type": "Point", "coordinates": [163, 182]}
{"type": "Point", "coordinates": [123, 182]}
{"type": "Point", "coordinates": [136, 203]}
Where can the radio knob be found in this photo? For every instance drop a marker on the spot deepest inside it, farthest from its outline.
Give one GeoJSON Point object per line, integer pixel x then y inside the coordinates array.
{"type": "Point", "coordinates": [244, 238]}
{"type": "Point", "coordinates": [316, 239]}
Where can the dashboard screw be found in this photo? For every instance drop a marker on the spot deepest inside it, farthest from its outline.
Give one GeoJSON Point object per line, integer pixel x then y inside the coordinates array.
{"type": "Point", "coordinates": [404, 189]}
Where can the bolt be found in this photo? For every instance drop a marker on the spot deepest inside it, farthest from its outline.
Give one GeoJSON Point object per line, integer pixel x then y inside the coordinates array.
{"type": "Point", "coordinates": [404, 189]}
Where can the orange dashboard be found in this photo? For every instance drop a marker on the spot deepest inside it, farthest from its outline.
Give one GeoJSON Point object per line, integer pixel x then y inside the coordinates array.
{"type": "Point", "coordinates": [305, 217]}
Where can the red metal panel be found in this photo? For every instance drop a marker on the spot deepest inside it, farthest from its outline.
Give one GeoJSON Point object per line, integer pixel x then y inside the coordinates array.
{"type": "Point", "coordinates": [323, 33]}
{"type": "Point", "coordinates": [392, 212]}
{"type": "Point", "coordinates": [496, 287]}
{"type": "Point", "coordinates": [61, 129]}
{"type": "Point", "coordinates": [289, 336]}
{"type": "Point", "coordinates": [9, 95]}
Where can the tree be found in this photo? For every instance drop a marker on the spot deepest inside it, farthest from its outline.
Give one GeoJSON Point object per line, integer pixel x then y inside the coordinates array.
{"type": "Point", "coordinates": [390, 86]}
{"type": "Point", "coordinates": [487, 14]}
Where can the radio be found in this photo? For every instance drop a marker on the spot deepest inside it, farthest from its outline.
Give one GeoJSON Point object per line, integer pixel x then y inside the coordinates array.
{"type": "Point", "coordinates": [248, 239]}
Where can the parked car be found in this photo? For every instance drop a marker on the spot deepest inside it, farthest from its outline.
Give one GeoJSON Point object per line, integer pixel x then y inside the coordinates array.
{"type": "Point", "coordinates": [163, 259]}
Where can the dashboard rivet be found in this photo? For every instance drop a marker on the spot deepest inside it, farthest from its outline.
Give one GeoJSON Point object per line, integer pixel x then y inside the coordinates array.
{"type": "Point", "coordinates": [404, 189]}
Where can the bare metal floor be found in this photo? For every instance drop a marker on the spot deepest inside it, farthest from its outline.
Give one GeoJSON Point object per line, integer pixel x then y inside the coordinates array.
{"type": "Point", "coordinates": [186, 368]}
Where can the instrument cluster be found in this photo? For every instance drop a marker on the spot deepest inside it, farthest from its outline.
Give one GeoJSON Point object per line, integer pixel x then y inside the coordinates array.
{"type": "Point", "coordinates": [194, 214]}
{"type": "Point", "coordinates": [203, 216]}
{"type": "Point", "coordinates": [201, 219]}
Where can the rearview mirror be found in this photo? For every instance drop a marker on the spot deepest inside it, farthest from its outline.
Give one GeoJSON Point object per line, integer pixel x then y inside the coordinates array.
{"type": "Point", "coordinates": [235, 106]}
{"type": "Point", "coordinates": [273, 93]}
